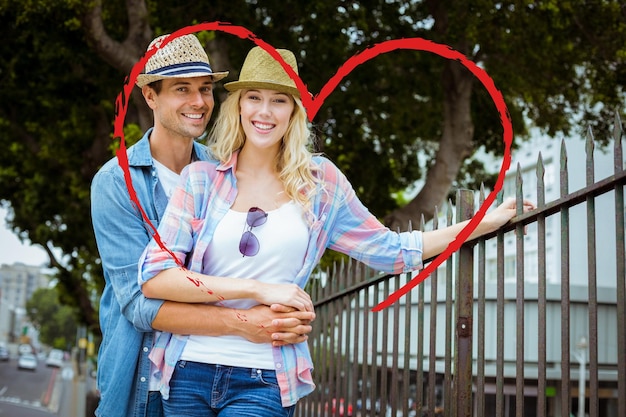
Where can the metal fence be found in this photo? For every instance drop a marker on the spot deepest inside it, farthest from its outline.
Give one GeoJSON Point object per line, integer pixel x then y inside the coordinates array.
{"type": "Point", "coordinates": [504, 328]}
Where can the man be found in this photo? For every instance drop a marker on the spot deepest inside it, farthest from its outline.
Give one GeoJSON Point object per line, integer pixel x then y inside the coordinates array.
{"type": "Point", "coordinates": [177, 85]}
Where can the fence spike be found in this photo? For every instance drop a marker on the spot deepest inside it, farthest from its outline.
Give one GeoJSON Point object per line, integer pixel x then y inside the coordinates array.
{"type": "Point", "coordinates": [348, 271]}
{"type": "Point", "coordinates": [589, 147]}
{"type": "Point", "coordinates": [541, 185]}
{"type": "Point", "coordinates": [326, 289]}
{"type": "Point", "coordinates": [618, 132]}
{"type": "Point", "coordinates": [563, 170]}
{"type": "Point", "coordinates": [519, 189]}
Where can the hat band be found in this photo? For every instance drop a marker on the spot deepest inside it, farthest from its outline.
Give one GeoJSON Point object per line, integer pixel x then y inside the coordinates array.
{"type": "Point", "coordinates": [177, 70]}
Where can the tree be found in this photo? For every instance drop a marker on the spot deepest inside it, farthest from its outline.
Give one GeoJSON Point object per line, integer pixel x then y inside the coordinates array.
{"type": "Point", "coordinates": [54, 321]}
{"type": "Point", "coordinates": [551, 60]}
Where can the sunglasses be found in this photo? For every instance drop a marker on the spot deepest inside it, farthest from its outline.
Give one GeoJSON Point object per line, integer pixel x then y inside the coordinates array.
{"type": "Point", "coordinates": [249, 244]}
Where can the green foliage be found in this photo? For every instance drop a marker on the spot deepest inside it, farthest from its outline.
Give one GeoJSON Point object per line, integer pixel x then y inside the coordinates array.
{"type": "Point", "coordinates": [55, 86]}
{"type": "Point", "coordinates": [559, 65]}
{"type": "Point", "coordinates": [55, 322]}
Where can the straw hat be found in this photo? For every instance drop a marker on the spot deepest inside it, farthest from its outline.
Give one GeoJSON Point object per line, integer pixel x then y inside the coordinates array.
{"type": "Point", "coordinates": [182, 57]}
{"type": "Point", "coordinates": [261, 70]}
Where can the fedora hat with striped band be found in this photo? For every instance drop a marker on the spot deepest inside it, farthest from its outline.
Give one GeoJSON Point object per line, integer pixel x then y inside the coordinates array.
{"type": "Point", "coordinates": [182, 57]}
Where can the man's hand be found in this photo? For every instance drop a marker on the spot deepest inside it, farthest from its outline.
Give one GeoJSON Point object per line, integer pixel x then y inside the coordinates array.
{"type": "Point", "coordinates": [278, 324]}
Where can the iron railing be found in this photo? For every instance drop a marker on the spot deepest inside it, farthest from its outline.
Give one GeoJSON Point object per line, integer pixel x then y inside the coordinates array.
{"type": "Point", "coordinates": [488, 334]}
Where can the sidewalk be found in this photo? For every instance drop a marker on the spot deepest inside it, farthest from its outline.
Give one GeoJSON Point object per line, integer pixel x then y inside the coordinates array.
{"type": "Point", "coordinates": [74, 384]}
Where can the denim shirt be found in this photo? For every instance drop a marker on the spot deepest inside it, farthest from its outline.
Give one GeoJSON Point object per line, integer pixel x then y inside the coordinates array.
{"type": "Point", "coordinates": [125, 314]}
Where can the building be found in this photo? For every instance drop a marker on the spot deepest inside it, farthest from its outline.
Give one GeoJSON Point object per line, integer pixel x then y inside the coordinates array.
{"type": "Point", "coordinates": [18, 282]}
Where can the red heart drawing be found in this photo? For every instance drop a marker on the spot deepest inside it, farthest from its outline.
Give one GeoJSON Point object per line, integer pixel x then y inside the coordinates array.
{"type": "Point", "coordinates": [313, 104]}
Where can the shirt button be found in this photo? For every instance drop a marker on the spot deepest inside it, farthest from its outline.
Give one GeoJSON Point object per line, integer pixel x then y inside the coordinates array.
{"type": "Point", "coordinates": [278, 366]}
{"type": "Point", "coordinates": [142, 379]}
{"type": "Point", "coordinates": [145, 349]}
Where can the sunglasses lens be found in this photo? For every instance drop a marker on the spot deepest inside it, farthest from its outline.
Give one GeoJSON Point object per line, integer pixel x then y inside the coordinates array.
{"type": "Point", "coordinates": [249, 244]}
{"type": "Point", "coordinates": [256, 217]}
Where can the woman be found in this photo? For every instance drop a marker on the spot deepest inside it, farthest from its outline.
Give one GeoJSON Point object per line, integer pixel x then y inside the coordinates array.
{"type": "Point", "coordinates": [264, 210]}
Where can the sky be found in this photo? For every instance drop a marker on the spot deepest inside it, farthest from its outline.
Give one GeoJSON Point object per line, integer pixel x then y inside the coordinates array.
{"type": "Point", "coordinates": [13, 251]}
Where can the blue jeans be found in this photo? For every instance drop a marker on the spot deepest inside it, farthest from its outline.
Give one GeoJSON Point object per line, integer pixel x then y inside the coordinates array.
{"type": "Point", "coordinates": [206, 390]}
{"type": "Point", "coordinates": [154, 408]}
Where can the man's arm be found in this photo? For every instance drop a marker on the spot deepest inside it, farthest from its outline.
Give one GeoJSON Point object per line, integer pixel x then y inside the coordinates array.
{"type": "Point", "coordinates": [261, 324]}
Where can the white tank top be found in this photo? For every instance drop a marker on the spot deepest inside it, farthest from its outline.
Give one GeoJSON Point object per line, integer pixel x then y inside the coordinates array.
{"type": "Point", "coordinates": [283, 241]}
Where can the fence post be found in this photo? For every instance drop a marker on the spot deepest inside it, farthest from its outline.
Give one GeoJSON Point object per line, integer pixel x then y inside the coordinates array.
{"type": "Point", "coordinates": [464, 312]}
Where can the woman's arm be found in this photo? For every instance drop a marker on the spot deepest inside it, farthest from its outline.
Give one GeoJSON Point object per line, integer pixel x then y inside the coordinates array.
{"type": "Point", "coordinates": [436, 241]}
{"type": "Point", "coordinates": [274, 324]}
{"type": "Point", "coordinates": [179, 284]}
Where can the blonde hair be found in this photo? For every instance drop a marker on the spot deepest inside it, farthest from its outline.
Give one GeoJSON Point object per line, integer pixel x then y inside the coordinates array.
{"type": "Point", "coordinates": [294, 160]}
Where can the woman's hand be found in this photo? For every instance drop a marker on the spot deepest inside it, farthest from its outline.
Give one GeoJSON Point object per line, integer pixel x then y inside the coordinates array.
{"type": "Point", "coordinates": [289, 295]}
{"type": "Point", "coordinates": [501, 215]}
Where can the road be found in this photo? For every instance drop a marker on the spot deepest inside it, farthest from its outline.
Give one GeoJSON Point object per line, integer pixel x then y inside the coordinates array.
{"type": "Point", "coordinates": [46, 392]}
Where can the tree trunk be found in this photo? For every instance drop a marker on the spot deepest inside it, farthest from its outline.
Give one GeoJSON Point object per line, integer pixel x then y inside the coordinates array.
{"type": "Point", "coordinates": [455, 145]}
{"type": "Point", "coordinates": [122, 56]}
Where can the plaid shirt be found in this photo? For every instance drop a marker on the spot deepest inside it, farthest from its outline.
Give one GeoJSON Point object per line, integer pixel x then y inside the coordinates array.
{"type": "Point", "coordinates": [337, 220]}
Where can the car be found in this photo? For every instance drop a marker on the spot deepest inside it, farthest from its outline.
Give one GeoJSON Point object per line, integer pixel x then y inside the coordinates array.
{"type": "Point", "coordinates": [25, 348]}
{"type": "Point", "coordinates": [55, 358]}
{"type": "Point", "coordinates": [4, 354]}
{"type": "Point", "coordinates": [342, 408]}
{"type": "Point", "coordinates": [27, 361]}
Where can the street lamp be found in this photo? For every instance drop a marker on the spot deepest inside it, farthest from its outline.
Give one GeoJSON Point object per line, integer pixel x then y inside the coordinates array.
{"type": "Point", "coordinates": [582, 379]}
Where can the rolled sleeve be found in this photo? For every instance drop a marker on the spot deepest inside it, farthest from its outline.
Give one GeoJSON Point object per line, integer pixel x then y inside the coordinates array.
{"type": "Point", "coordinates": [412, 247]}
{"type": "Point", "coordinates": [145, 313]}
